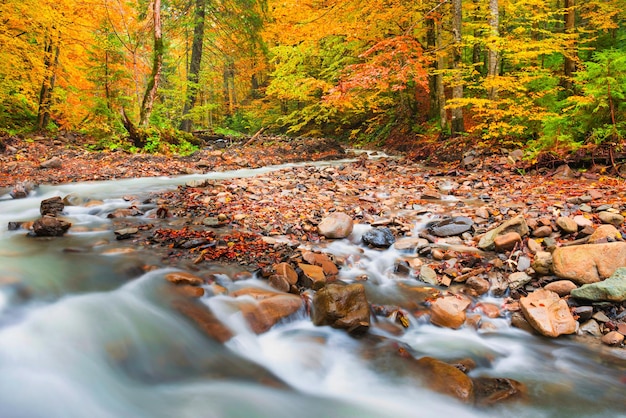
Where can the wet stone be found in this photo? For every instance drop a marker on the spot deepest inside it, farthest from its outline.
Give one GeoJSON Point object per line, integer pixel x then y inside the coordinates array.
{"type": "Point", "coordinates": [379, 238]}
{"type": "Point", "coordinates": [490, 390]}
{"type": "Point", "coordinates": [342, 307]}
{"type": "Point", "coordinates": [52, 206]}
{"type": "Point", "coordinates": [613, 338]}
{"type": "Point", "coordinates": [50, 226]}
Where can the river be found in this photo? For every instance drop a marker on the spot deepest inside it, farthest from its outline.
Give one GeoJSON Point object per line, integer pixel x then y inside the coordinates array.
{"type": "Point", "coordinates": [84, 332]}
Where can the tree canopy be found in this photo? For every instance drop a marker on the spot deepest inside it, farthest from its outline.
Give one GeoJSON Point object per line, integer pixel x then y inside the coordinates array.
{"type": "Point", "coordinates": [548, 75]}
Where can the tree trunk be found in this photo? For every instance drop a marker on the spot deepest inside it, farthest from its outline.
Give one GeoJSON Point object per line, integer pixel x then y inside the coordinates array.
{"type": "Point", "coordinates": [456, 124]}
{"type": "Point", "coordinates": [194, 65]}
{"type": "Point", "coordinates": [157, 67]}
{"type": "Point", "coordinates": [51, 61]}
{"type": "Point", "coordinates": [569, 65]}
{"type": "Point", "coordinates": [229, 86]}
{"type": "Point", "coordinates": [435, 82]}
{"type": "Point", "coordinates": [493, 56]}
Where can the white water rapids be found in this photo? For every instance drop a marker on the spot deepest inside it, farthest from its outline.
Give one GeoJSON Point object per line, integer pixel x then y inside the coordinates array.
{"type": "Point", "coordinates": [84, 333]}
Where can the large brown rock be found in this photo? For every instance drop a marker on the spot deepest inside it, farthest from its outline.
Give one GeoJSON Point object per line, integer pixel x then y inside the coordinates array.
{"type": "Point", "coordinates": [589, 263]}
{"type": "Point", "coordinates": [50, 226]}
{"type": "Point", "coordinates": [336, 225]}
{"type": "Point", "coordinates": [449, 311]}
{"type": "Point", "coordinates": [342, 307]}
{"type": "Point", "coordinates": [548, 313]}
{"type": "Point", "coordinates": [268, 309]}
{"type": "Point", "coordinates": [446, 379]}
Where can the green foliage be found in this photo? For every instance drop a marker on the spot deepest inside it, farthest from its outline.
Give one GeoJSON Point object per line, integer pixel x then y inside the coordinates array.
{"type": "Point", "coordinates": [597, 114]}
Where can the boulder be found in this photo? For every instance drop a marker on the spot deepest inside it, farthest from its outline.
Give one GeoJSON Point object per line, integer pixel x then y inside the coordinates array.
{"type": "Point", "coordinates": [449, 311]}
{"type": "Point", "coordinates": [517, 224]}
{"type": "Point", "coordinates": [548, 313]}
{"type": "Point", "coordinates": [452, 226]}
{"type": "Point", "coordinates": [446, 379]}
{"type": "Point", "coordinates": [336, 225]}
{"type": "Point", "coordinates": [612, 289]}
{"type": "Point", "coordinates": [342, 307]}
{"type": "Point", "coordinates": [605, 233]}
{"type": "Point", "coordinates": [378, 238]}
{"type": "Point", "coordinates": [50, 226]}
{"type": "Point", "coordinates": [52, 206]}
{"type": "Point", "coordinates": [589, 263]}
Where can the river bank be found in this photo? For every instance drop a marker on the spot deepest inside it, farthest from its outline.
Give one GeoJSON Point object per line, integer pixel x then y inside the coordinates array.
{"type": "Point", "coordinates": [479, 246]}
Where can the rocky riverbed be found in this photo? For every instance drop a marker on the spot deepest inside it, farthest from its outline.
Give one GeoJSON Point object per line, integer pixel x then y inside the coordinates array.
{"type": "Point", "coordinates": [468, 245]}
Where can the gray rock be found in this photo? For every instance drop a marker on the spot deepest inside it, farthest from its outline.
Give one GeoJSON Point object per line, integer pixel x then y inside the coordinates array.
{"type": "Point", "coordinates": [518, 279]}
{"type": "Point", "coordinates": [590, 327]}
{"type": "Point", "coordinates": [379, 237]}
{"type": "Point", "coordinates": [452, 226]}
{"type": "Point", "coordinates": [612, 289]}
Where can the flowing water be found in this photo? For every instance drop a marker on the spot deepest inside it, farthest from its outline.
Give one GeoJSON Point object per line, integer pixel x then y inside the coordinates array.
{"type": "Point", "coordinates": [84, 332]}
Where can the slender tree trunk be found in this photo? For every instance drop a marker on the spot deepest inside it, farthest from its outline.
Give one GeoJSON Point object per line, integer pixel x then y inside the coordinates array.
{"type": "Point", "coordinates": [569, 65]}
{"type": "Point", "coordinates": [493, 56]}
{"type": "Point", "coordinates": [456, 124]}
{"type": "Point", "coordinates": [51, 61]}
{"type": "Point", "coordinates": [229, 86]}
{"type": "Point", "coordinates": [157, 67]}
{"type": "Point", "coordinates": [435, 82]}
{"type": "Point", "coordinates": [194, 65]}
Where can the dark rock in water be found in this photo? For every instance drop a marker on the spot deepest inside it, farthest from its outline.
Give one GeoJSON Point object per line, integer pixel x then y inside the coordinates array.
{"type": "Point", "coordinates": [450, 227]}
{"type": "Point", "coordinates": [21, 190]}
{"type": "Point", "coordinates": [14, 226]}
{"type": "Point", "coordinates": [52, 206]}
{"type": "Point", "coordinates": [49, 226]}
{"type": "Point", "coordinates": [342, 307]}
{"type": "Point", "coordinates": [379, 237]}
{"type": "Point", "coordinates": [490, 390]}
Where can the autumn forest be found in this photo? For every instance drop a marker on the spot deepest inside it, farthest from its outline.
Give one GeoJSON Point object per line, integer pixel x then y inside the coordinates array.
{"type": "Point", "coordinates": [545, 75]}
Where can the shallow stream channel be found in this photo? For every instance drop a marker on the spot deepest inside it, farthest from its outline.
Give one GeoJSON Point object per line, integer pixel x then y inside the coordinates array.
{"type": "Point", "coordinates": [86, 332]}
